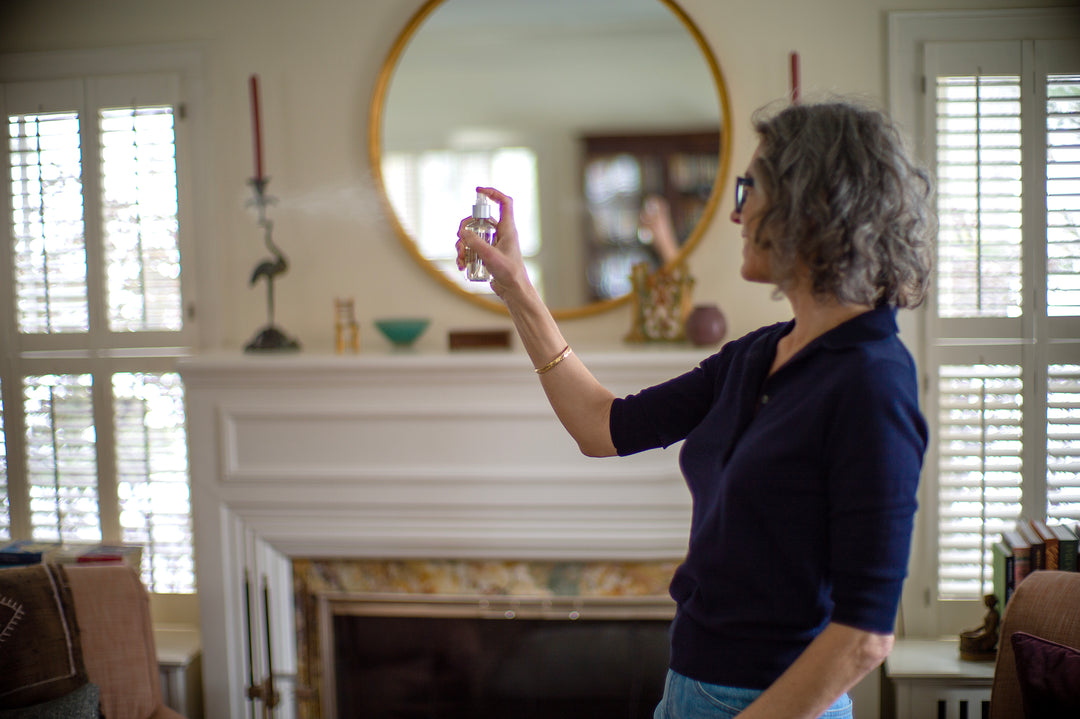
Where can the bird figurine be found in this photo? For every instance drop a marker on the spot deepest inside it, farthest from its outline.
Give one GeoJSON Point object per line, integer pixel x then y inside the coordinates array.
{"type": "Point", "coordinates": [270, 338]}
{"type": "Point", "coordinates": [270, 268]}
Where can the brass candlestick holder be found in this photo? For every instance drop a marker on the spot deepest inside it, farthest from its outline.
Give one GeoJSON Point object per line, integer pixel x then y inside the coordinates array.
{"type": "Point", "coordinates": [270, 337]}
{"type": "Point", "coordinates": [346, 329]}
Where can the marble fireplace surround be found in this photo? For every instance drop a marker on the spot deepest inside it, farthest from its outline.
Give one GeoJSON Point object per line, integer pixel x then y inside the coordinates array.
{"type": "Point", "coordinates": [379, 457]}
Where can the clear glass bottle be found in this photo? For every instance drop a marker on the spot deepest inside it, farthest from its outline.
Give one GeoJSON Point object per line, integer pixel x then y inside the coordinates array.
{"type": "Point", "coordinates": [484, 227]}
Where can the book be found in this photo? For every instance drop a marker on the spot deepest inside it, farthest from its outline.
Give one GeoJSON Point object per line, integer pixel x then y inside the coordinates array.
{"type": "Point", "coordinates": [1049, 540]}
{"type": "Point", "coordinates": [1038, 547]}
{"type": "Point", "coordinates": [1076, 531]}
{"type": "Point", "coordinates": [1002, 573]}
{"type": "Point", "coordinates": [130, 553]}
{"type": "Point", "coordinates": [26, 551]}
{"type": "Point", "coordinates": [99, 559]}
{"type": "Point", "coordinates": [1068, 546]}
{"type": "Point", "coordinates": [1021, 551]}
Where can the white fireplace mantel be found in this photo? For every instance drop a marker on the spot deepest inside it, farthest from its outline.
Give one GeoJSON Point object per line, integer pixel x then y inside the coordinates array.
{"type": "Point", "coordinates": [400, 455]}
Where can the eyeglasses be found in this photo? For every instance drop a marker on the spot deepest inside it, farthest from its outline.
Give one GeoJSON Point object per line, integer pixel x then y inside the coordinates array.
{"type": "Point", "coordinates": [741, 183]}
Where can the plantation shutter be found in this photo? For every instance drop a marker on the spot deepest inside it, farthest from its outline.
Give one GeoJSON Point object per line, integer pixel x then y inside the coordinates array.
{"type": "Point", "coordinates": [1063, 283]}
{"type": "Point", "coordinates": [979, 193]}
{"type": "Point", "coordinates": [1063, 443]}
{"type": "Point", "coordinates": [61, 458]}
{"type": "Point", "coordinates": [95, 234]}
{"type": "Point", "coordinates": [979, 293]}
{"type": "Point", "coordinates": [46, 195]}
{"type": "Point", "coordinates": [1063, 194]}
{"type": "Point", "coordinates": [152, 475]}
{"type": "Point", "coordinates": [142, 256]}
{"type": "Point", "coordinates": [980, 443]}
{"type": "Point", "coordinates": [1004, 401]}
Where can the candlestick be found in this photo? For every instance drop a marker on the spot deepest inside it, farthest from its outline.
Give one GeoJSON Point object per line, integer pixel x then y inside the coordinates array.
{"type": "Point", "coordinates": [256, 127]}
{"type": "Point", "coordinates": [270, 338]}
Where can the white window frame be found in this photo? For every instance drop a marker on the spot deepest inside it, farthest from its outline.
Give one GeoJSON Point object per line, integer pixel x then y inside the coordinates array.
{"type": "Point", "coordinates": [100, 352]}
{"type": "Point", "coordinates": [922, 612]}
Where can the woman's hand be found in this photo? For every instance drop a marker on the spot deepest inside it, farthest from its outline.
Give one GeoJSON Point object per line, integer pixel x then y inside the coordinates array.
{"type": "Point", "coordinates": [834, 662]}
{"type": "Point", "coordinates": [655, 219]}
{"type": "Point", "coordinates": [503, 259]}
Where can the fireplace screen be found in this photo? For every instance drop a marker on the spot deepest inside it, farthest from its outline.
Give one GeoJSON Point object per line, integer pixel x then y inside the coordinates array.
{"type": "Point", "coordinates": [478, 658]}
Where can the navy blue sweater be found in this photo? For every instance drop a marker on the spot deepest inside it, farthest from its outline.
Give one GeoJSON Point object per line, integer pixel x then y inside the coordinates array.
{"type": "Point", "coordinates": [803, 487]}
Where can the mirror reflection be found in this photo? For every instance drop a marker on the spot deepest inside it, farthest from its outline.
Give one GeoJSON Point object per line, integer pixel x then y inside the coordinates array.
{"type": "Point", "coordinates": [604, 119]}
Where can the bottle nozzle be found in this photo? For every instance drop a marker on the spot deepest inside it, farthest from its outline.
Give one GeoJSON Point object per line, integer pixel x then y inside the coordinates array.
{"type": "Point", "coordinates": [482, 208]}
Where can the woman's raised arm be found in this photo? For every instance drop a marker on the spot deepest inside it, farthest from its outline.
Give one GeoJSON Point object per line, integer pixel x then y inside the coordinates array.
{"type": "Point", "coordinates": [581, 403]}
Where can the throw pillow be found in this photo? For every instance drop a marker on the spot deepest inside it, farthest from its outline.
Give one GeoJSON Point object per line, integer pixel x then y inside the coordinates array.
{"type": "Point", "coordinates": [1049, 675]}
{"type": "Point", "coordinates": [40, 654]}
{"type": "Point", "coordinates": [79, 704]}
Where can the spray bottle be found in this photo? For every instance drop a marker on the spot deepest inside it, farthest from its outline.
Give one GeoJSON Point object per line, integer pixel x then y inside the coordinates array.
{"type": "Point", "coordinates": [484, 227]}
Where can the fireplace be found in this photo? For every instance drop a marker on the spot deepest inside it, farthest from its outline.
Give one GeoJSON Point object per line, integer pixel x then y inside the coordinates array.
{"type": "Point", "coordinates": [471, 639]}
{"type": "Point", "coordinates": [452, 664]}
{"type": "Point", "coordinates": [365, 462]}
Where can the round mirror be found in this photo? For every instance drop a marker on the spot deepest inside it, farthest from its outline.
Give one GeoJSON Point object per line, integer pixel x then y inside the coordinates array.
{"type": "Point", "coordinates": [584, 111]}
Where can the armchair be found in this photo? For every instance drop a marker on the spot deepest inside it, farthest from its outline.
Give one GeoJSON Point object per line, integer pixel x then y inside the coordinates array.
{"type": "Point", "coordinates": [1046, 605]}
{"type": "Point", "coordinates": [73, 637]}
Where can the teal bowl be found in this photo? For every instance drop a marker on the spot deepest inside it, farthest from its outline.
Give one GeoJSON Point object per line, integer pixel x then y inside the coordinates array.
{"type": "Point", "coordinates": [402, 332]}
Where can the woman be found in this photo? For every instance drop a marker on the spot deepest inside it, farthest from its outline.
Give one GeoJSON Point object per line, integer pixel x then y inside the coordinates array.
{"type": "Point", "coordinates": [803, 440]}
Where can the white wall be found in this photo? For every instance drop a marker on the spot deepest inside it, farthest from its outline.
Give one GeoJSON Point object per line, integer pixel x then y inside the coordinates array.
{"type": "Point", "coordinates": [318, 61]}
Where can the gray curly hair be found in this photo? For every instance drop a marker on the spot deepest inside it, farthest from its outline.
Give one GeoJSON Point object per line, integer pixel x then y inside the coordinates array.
{"type": "Point", "coordinates": [845, 200]}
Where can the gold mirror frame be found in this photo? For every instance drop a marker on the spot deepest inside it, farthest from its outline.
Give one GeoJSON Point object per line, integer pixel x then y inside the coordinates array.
{"type": "Point", "coordinates": [375, 117]}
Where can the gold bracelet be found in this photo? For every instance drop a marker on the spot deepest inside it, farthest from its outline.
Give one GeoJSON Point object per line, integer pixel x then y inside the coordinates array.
{"type": "Point", "coordinates": [555, 362]}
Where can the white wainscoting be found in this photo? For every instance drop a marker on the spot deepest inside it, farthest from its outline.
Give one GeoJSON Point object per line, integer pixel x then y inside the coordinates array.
{"type": "Point", "coordinates": [399, 455]}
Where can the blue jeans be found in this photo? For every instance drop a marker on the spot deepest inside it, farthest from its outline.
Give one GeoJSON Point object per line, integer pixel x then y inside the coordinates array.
{"type": "Point", "coordinates": [688, 699]}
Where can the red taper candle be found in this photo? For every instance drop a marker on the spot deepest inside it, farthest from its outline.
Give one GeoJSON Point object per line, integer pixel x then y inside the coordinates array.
{"type": "Point", "coordinates": [256, 127]}
{"type": "Point", "coordinates": [795, 77]}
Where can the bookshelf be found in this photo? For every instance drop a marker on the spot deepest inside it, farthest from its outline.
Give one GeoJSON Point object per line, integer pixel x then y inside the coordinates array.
{"type": "Point", "coordinates": [619, 172]}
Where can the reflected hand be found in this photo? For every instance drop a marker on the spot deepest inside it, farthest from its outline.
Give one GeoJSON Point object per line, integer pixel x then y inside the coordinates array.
{"type": "Point", "coordinates": [655, 219]}
{"type": "Point", "coordinates": [503, 259]}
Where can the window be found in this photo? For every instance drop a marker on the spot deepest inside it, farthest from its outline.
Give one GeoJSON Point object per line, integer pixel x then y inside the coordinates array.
{"type": "Point", "coordinates": [987, 98]}
{"type": "Point", "coordinates": [92, 412]}
{"type": "Point", "coordinates": [1003, 351]}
